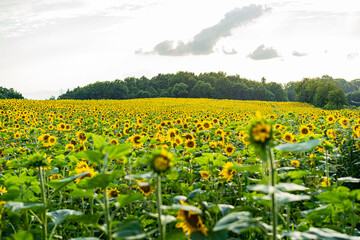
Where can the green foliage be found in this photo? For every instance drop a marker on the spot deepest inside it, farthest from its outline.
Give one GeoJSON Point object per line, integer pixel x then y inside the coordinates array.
{"type": "Point", "coordinates": [10, 94]}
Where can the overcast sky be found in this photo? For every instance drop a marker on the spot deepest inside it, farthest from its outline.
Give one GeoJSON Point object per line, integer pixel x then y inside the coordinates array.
{"type": "Point", "coordinates": [49, 46]}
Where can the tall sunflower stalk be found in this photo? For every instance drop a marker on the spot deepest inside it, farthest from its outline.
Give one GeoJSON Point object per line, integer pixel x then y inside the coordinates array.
{"type": "Point", "coordinates": [261, 137]}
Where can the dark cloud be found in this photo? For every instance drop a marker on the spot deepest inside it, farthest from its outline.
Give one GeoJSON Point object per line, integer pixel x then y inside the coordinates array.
{"type": "Point", "coordinates": [298, 54]}
{"type": "Point", "coordinates": [262, 53]}
{"type": "Point", "coordinates": [203, 42]}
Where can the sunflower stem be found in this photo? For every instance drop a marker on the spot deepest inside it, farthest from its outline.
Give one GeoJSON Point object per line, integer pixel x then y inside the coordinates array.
{"type": "Point", "coordinates": [159, 203]}
{"type": "Point", "coordinates": [107, 215]}
{"type": "Point", "coordinates": [43, 197]}
{"type": "Point", "coordinates": [270, 156]}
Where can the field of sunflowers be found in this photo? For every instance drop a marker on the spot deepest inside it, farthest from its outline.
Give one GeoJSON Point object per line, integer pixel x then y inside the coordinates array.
{"type": "Point", "coordinates": [178, 169]}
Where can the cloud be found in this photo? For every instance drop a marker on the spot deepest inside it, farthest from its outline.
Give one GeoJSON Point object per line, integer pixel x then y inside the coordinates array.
{"type": "Point", "coordinates": [352, 55]}
{"type": "Point", "coordinates": [299, 54]}
{"type": "Point", "coordinates": [233, 51]}
{"type": "Point", "coordinates": [262, 53]}
{"type": "Point", "coordinates": [203, 42]}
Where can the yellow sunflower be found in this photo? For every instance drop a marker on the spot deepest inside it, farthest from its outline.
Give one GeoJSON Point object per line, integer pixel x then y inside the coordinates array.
{"type": "Point", "coordinates": [81, 136]}
{"type": "Point", "coordinates": [2, 190]}
{"type": "Point", "coordinates": [114, 141]}
{"type": "Point", "coordinates": [192, 221]}
{"type": "Point", "coordinates": [304, 130]}
{"type": "Point", "coordinates": [227, 173]}
{"type": "Point", "coordinates": [135, 140]}
{"type": "Point", "coordinates": [204, 175]}
{"type": "Point", "coordinates": [288, 137]}
{"type": "Point", "coordinates": [161, 161]}
{"type": "Point", "coordinates": [82, 169]}
{"type": "Point", "coordinates": [70, 147]}
{"type": "Point", "coordinates": [229, 149]}
{"type": "Point", "coordinates": [113, 193]}
{"type": "Point", "coordinates": [145, 187]}
{"type": "Point", "coordinates": [344, 122]}
{"type": "Point", "coordinates": [295, 163]}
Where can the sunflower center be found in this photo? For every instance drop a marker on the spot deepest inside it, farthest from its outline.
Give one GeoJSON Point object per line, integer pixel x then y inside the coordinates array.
{"type": "Point", "coordinates": [192, 219]}
{"type": "Point", "coordinates": [136, 139]}
{"type": "Point", "coordinates": [145, 189]}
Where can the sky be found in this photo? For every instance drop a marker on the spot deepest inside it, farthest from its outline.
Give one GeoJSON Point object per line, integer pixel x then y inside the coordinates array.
{"type": "Point", "coordinates": [49, 46]}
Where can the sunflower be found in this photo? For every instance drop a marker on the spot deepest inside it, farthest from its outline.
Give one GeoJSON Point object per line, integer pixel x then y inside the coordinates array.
{"type": "Point", "coordinates": [227, 173]}
{"type": "Point", "coordinates": [135, 140]}
{"type": "Point", "coordinates": [82, 169]}
{"type": "Point", "coordinates": [81, 136]}
{"type": "Point", "coordinates": [50, 127]}
{"type": "Point", "coordinates": [70, 147]}
{"type": "Point", "coordinates": [260, 132]}
{"type": "Point", "coordinates": [82, 148]}
{"type": "Point", "coordinates": [113, 193]}
{"type": "Point", "coordinates": [295, 163]}
{"type": "Point", "coordinates": [212, 144]}
{"type": "Point", "coordinates": [73, 142]}
{"type": "Point", "coordinates": [161, 161]}
{"type": "Point", "coordinates": [52, 140]}
{"type": "Point", "coordinates": [304, 130]}
{"type": "Point", "coordinates": [204, 175]}
{"type": "Point", "coordinates": [2, 190]}
{"type": "Point", "coordinates": [344, 122]}
{"type": "Point", "coordinates": [178, 140]}
{"type": "Point", "coordinates": [330, 119]}
{"type": "Point", "coordinates": [229, 149]}
{"type": "Point", "coordinates": [192, 221]}
{"type": "Point", "coordinates": [325, 182]}
{"type": "Point", "coordinates": [145, 187]}
{"type": "Point", "coordinates": [206, 125]}
{"type": "Point", "coordinates": [190, 144]}
{"type": "Point", "coordinates": [114, 141]}
{"type": "Point", "coordinates": [54, 177]}
{"type": "Point", "coordinates": [17, 135]}
{"type": "Point", "coordinates": [288, 137]}
{"type": "Point", "coordinates": [188, 136]}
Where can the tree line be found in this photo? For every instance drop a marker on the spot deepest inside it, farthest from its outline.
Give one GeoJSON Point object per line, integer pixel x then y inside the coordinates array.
{"type": "Point", "coordinates": [10, 93]}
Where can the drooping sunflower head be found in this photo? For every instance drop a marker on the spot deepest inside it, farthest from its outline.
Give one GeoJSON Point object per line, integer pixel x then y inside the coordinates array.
{"type": "Point", "coordinates": [160, 161]}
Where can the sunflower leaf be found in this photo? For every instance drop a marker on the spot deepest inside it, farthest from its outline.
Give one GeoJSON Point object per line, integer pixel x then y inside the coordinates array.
{"type": "Point", "coordinates": [299, 147]}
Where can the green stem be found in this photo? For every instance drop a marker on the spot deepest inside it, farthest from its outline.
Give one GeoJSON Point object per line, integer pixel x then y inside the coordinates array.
{"type": "Point", "coordinates": [159, 203]}
{"type": "Point", "coordinates": [353, 217]}
{"type": "Point", "coordinates": [107, 215]}
{"type": "Point", "coordinates": [43, 197]}
{"type": "Point", "coordinates": [270, 155]}
{"type": "Point", "coordinates": [288, 216]}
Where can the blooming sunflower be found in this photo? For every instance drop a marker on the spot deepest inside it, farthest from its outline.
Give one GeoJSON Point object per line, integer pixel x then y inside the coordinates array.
{"type": "Point", "coordinates": [206, 125]}
{"type": "Point", "coordinates": [227, 173]}
{"type": "Point", "coordinates": [192, 221]}
{"type": "Point", "coordinates": [2, 190]}
{"type": "Point", "coordinates": [145, 187]}
{"type": "Point", "coordinates": [82, 169]}
{"type": "Point", "coordinates": [229, 149]}
{"type": "Point", "coordinates": [325, 182]}
{"type": "Point", "coordinates": [295, 163]}
{"type": "Point", "coordinates": [161, 161]}
{"type": "Point", "coordinates": [344, 122]}
{"type": "Point", "coordinates": [52, 140]}
{"type": "Point", "coordinates": [304, 130]}
{"type": "Point", "coordinates": [113, 193]}
{"type": "Point", "coordinates": [204, 175]}
{"type": "Point", "coordinates": [190, 144]}
{"type": "Point", "coordinates": [135, 140]}
{"type": "Point", "coordinates": [114, 141]}
{"type": "Point", "coordinates": [260, 132]}
{"type": "Point", "coordinates": [288, 137]}
{"type": "Point", "coordinates": [81, 136]}
{"type": "Point", "coordinates": [330, 119]}
{"type": "Point", "coordinates": [70, 147]}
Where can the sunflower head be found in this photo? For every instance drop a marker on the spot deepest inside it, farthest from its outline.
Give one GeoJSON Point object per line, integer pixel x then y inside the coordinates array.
{"type": "Point", "coordinates": [229, 149]}
{"type": "Point", "coordinates": [260, 135]}
{"type": "Point", "coordinates": [192, 221]}
{"type": "Point", "coordinates": [295, 163]}
{"type": "Point", "coordinates": [113, 193]}
{"type": "Point", "coordinates": [227, 173]}
{"type": "Point", "coordinates": [204, 175]}
{"type": "Point", "coordinates": [160, 161]}
{"type": "Point", "coordinates": [145, 187]}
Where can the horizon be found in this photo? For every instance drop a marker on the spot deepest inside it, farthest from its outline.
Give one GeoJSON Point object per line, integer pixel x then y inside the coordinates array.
{"type": "Point", "coordinates": [49, 46]}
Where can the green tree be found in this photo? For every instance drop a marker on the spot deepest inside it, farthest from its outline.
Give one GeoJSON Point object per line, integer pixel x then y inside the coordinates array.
{"type": "Point", "coordinates": [202, 90]}
{"type": "Point", "coordinates": [180, 90]}
{"type": "Point", "coordinates": [336, 99]}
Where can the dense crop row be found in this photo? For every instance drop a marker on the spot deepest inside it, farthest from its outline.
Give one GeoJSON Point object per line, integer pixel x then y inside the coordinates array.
{"type": "Point", "coordinates": [218, 168]}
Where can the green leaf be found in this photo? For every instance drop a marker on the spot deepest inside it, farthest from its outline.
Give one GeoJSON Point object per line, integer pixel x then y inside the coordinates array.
{"type": "Point", "coordinates": [194, 194]}
{"type": "Point", "coordinates": [333, 197]}
{"type": "Point", "coordinates": [85, 238]}
{"type": "Point", "coordinates": [248, 168]}
{"type": "Point", "coordinates": [299, 147]}
{"type": "Point", "coordinates": [297, 174]}
{"type": "Point", "coordinates": [117, 151]}
{"type": "Point", "coordinates": [232, 219]}
{"type": "Point", "coordinates": [284, 197]}
{"type": "Point", "coordinates": [349, 179]}
{"type": "Point", "coordinates": [85, 218]}
{"type": "Point", "coordinates": [183, 207]}
{"type": "Point", "coordinates": [88, 193]}
{"type": "Point", "coordinates": [99, 142]}
{"type": "Point", "coordinates": [17, 206]}
{"type": "Point", "coordinates": [59, 184]}
{"type": "Point", "coordinates": [59, 215]}
{"type": "Point", "coordinates": [124, 200]}
{"type": "Point", "coordinates": [224, 208]}
{"type": "Point", "coordinates": [318, 214]}
{"type": "Point", "coordinates": [290, 187]}
{"type": "Point", "coordinates": [91, 155]}
{"type": "Point", "coordinates": [131, 229]}
{"type": "Point", "coordinates": [102, 180]}
{"type": "Point", "coordinates": [320, 233]}
{"type": "Point", "coordinates": [23, 236]}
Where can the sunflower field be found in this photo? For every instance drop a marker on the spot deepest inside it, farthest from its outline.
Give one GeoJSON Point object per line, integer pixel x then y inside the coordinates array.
{"type": "Point", "coordinates": [167, 168]}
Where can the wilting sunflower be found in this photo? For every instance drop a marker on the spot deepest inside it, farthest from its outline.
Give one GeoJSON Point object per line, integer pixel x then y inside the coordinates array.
{"type": "Point", "coordinates": [288, 137]}
{"type": "Point", "coordinates": [229, 149]}
{"type": "Point", "coordinates": [145, 187]}
{"type": "Point", "coordinates": [192, 221]}
{"type": "Point", "coordinates": [70, 147]}
{"type": "Point", "coordinates": [295, 163]}
{"type": "Point", "coordinates": [2, 190]}
{"type": "Point", "coordinates": [113, 193]}
{"type": "Point", "coordinates": [190, 144]}
{"type": "Point", "coordinates": [204, 175]}
{"type": "Point", "coordinates": [161, 161]}
{"type": "Point", "coordinates": [227, 173]}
